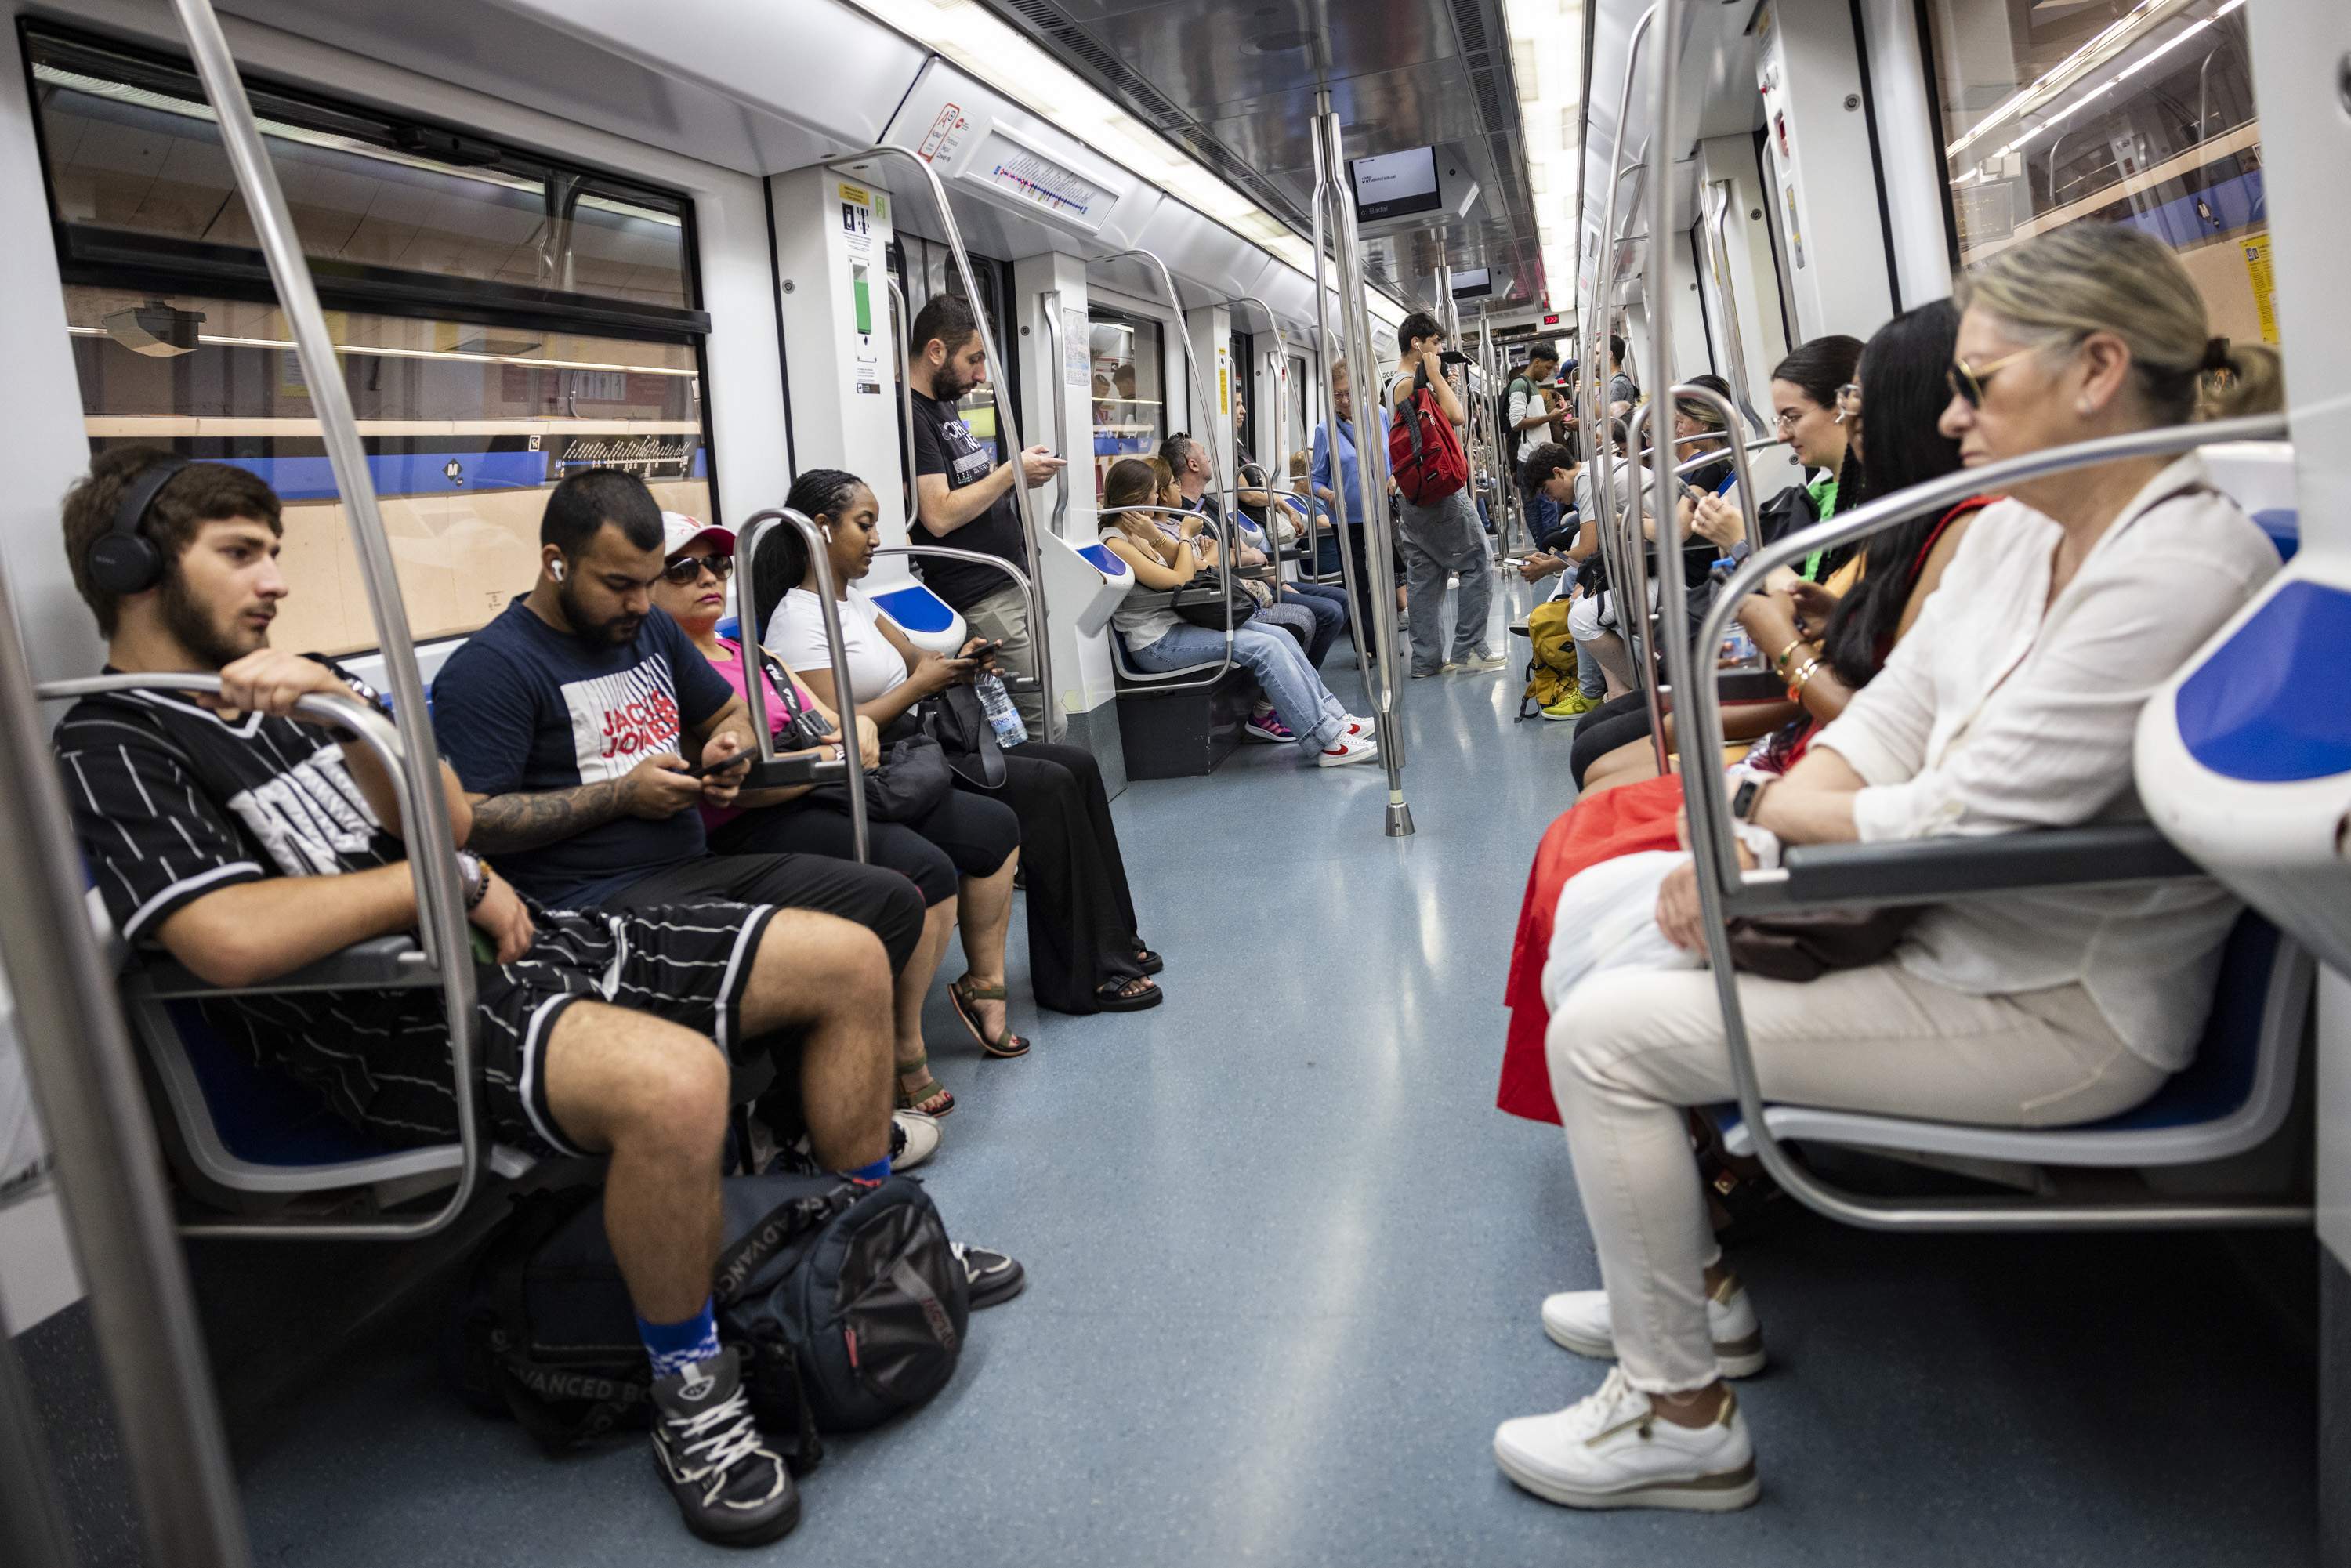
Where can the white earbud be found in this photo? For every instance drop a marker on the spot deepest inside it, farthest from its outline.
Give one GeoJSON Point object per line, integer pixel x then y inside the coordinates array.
{"type": "Point", "coordinates": [555, 569]}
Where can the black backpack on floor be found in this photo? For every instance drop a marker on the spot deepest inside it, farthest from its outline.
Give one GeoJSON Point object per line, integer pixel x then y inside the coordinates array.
{"type": "Point", "coordinates": [844, 1300]}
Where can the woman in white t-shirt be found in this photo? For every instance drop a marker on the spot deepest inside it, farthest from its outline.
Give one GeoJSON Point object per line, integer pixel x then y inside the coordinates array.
{"type": "Point", "coordinates": [1084, 954]}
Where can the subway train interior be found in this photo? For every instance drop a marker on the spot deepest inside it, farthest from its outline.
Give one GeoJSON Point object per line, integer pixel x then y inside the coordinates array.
{"type": "Point", "coordinates": [1267, 1055]}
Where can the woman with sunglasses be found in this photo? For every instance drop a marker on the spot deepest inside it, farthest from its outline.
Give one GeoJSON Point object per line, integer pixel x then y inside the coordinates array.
{"type": "Point", "coordinates": [2013, 705]}
{"type": "Point", "coordinates": [1084, 955]}
{"type": "Point", "coordinates": [960, 855]}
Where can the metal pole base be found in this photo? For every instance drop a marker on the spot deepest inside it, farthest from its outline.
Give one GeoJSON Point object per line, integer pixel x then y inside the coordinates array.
{"type": "Point", "coordinates": [1399, 825]}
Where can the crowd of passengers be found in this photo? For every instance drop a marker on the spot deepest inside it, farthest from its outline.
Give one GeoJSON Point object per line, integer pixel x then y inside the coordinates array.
{"type": "Point", "coordinates": [648, 932]}
{"type": "Point", "coordinates": [1979, 669]}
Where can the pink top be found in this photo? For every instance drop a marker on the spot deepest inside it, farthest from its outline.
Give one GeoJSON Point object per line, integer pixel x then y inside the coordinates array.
{"type": "Point", "coordinates": [714, 816]}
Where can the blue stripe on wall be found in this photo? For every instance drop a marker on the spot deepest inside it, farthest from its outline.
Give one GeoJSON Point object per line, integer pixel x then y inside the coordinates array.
{"type": "Point", "coordinates": [408, 473]}
{"type": "Point", "coordinates": [2236, 203]}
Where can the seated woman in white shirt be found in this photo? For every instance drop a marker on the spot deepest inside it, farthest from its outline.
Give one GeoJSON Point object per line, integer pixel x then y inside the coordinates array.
{"type": "Point", "coordinates": [1158, 639]}
{"type": "Point", "coordinates": [2010, 705]}
{"type": "Point", "coordinates": [1084, 954]}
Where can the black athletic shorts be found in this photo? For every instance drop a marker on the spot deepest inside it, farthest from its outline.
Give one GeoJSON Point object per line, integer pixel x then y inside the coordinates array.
{"type": "Point", "coordinates": [382, 1058]}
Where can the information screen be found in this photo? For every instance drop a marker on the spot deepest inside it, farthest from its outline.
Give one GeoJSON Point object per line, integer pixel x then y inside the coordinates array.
{"type": "Point", "coordinates": [1393, 184]}
{"type": "Point", "coordinates": [1472, 282]}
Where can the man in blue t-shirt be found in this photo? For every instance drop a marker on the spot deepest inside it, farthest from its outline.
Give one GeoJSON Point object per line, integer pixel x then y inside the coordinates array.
{"type": "Point", "coordinates": [568, 720]}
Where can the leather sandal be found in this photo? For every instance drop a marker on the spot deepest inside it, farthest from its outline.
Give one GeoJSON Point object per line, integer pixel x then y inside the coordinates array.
{"type": "Point", "coordinates": [1120, 996]}
{"type": "Point", "coordinates": [922, 1093]}
{"type": "Point", "coordinates": [967, 994]}
{"type": "Point", "coordinates": [1152, 962]}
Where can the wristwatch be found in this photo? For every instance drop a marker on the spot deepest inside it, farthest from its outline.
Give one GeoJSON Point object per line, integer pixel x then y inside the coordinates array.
{"type": "Point", "coordinates": [1749, 796]}
{"type": "Point", "coordinates": [473, 878]}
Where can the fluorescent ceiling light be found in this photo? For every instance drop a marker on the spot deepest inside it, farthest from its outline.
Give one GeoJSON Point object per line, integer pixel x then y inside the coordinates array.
{"type": "Point", "coordinates": [2115, 80]}
{"type": "Point", "coordinates": [1007, 61]}
{"type": "Point", "coordinates": [1546, 56]}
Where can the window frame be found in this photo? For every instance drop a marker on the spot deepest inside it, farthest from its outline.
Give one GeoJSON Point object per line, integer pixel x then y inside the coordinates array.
{"type": "Point", "coordinates": [89, 256]}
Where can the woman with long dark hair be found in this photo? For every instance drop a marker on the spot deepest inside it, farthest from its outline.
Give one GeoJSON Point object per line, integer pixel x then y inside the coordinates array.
{"type": "Point", "coordinates": [1902, 374]}
{"type": "Point", "coordinates": [1084, 955]}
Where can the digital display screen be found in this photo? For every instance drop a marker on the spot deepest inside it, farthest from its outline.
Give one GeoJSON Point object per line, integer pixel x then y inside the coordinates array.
{"type": "Point", "coordinates": [1472, 282]}
{"type": "Point", "coordinates": [1392, 184]}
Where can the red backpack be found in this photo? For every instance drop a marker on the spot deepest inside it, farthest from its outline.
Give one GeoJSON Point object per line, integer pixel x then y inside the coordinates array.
{"type": "Point", "coordinates": [1425, 451]}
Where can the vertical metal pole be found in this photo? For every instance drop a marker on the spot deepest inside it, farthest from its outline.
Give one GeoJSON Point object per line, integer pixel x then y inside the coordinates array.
{"type": "Point", "coordinates": [1050, 302]}
{"type": "Point", "coordinates": [1726, 295]}
{"type": "Point", "coordinates": [1372, 461]}
{"type": "Point", "coordinates": [118, 1209]}
{"type": "Point", "coordinates": [844, 697]}
{"type": "Point", "coordinates": [901, 318]}
{"type": "Point", "coordinates": [1325, 191]}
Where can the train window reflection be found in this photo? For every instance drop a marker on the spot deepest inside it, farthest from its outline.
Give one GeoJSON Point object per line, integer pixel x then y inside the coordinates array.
{"type": "Point", "coordinates": [465, 427]}
{"type": "Point", "coordinates": [2053, 116]}
{"type": "Point", "coordinates": [1129, 389]}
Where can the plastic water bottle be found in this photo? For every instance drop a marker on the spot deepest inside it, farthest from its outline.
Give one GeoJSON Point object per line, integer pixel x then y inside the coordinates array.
{"type": "Point", "coordinates": [1001, 714]}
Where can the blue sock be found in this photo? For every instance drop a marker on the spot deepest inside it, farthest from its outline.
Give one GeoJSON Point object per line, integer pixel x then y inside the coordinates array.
{"type": "Point", "coordinates": [878, 1171]}
{"type": "Point", "coordinates": [674, 1347]}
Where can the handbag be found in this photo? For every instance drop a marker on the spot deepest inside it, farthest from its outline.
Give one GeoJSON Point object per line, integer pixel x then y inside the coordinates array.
{"type": "Point", "coordinates": [958, 724]}
{"type": "Point", "coordinates": [1805, 944]}
{"type": "Point", "coordinates": [908, 786]}
{"type": "Point", "coordinates": [1202, 602]}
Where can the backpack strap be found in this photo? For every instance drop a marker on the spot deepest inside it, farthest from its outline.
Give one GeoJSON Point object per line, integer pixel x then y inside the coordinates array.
{"type": "Point", "coordinates": [776, 1230]}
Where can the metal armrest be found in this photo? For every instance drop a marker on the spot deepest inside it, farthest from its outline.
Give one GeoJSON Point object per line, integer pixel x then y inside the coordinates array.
{"type": "Point", "coordinates": [783, 771]}
{"type": "Point", "coordinates": [1931, 871]}
{"type": "Point", "coordinates": [378, 964]}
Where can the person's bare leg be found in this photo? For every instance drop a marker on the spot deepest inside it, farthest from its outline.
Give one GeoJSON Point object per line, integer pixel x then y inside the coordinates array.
{"type": "Point", "coordinates": [652, 1096]}
{"type": "Point", "coordinates": [914, 985]}
{"type": "Point", "coordinates": [987, 919]}
{"type": "Point", "coordinates": [1615, 662]}
{"type": "Point", "coordinates": [1627, 764]}
{"type": "Point", "coordinates": [830, 980]}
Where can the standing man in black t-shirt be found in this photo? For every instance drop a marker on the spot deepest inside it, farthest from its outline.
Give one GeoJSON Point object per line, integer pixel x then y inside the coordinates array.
{"type": "Point", "coordinates": [247, 844]}
{"type": "Point", "coordinates": [963, 501]}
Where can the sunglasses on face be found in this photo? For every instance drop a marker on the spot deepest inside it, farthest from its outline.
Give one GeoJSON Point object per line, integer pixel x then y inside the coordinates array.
{"type": "Point", "coordinates": [688, 570]}
{"type": "Point", "coordinates": [1968, 383]}
{"type": "Point", "coordinates": [1848, 404]}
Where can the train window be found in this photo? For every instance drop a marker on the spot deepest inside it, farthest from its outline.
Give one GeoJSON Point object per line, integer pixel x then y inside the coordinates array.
{"type": "Point", "coordinates": [1129, 387]}
{"type": "Point", "coordinates": [2056, 115]}
{"type": "Point", "coordinates": [465, 427]}
{"type": "Point", "coordinates": [392, 213]}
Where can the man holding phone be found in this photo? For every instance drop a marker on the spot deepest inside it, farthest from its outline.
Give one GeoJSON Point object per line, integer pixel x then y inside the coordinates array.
{"type": "Point", "coordinates": [1444, 538]}
{"type": "Point", "coordinates": [964, 500]}
{"type": "Point", "coordinates": [587, 730]}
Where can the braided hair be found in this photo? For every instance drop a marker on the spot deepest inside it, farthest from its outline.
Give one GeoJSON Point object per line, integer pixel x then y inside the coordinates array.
{"type": "Point", "coordinates": [782, 563]}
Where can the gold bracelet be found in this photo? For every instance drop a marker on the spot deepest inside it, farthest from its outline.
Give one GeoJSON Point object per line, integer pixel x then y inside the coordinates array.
{"type": "Point", "coordinates": [1779, 659]}
{"type": "Point", "coordinates": [1796, 687]}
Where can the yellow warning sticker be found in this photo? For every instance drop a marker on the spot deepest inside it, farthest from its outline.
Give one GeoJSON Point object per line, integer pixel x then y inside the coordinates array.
{"type": "Point", "coordinates": [849, 193]}
{"type": "Point", "coordinates": [2257, 268]}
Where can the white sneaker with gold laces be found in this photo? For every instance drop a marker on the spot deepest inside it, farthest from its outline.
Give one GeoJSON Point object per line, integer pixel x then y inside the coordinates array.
{"type": "Point", "coordinates": [1613, 1450]}
{"type": "Point", "coordinates": [1579, 1320]}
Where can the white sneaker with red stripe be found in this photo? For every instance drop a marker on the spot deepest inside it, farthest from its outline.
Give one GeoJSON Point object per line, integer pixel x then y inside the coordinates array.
{"type": "Point", "coordinates": [1351, 748]}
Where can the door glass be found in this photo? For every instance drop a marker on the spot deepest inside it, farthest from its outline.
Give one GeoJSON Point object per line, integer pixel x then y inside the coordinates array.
{"type": "Point", "coordinates": [2053, 115]}
{"type": "Point", "coordinates": [1129, 390]}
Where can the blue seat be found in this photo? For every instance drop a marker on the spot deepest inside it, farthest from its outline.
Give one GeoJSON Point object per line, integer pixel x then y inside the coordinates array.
{"type": "Point", "coordinates": [2232, 1097]}
{"type": "Point", "coordinates": [2283, 525]}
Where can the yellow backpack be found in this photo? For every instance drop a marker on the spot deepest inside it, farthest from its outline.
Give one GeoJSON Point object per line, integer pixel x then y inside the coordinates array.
{"type": "Point", "coordinates": [1551, 670]}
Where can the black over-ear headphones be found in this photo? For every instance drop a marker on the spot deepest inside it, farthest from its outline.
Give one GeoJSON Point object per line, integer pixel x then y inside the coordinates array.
{"type": "Point", "coordinates": [122, 559]}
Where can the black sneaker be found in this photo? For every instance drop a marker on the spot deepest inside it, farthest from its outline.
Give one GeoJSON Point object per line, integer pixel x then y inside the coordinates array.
{"type": "Point", "coordinates": [992, 1277]}
{"type": "Point", "coordinates": [731, 1487]}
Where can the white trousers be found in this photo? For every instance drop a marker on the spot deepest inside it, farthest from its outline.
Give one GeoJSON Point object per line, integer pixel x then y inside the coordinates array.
{"type": "Point", "coordinates": [1628, 1048]}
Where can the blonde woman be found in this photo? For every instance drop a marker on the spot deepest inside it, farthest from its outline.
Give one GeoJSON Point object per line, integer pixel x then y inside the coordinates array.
{"type": "Point", "coordinates": [2010, 706]}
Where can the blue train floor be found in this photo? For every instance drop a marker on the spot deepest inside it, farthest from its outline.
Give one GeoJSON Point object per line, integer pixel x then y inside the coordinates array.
{"type": "Point", "coordinates": [1285, 1259]}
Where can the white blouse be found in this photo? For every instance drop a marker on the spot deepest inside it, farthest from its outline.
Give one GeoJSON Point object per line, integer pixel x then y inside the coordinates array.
{"type": "Point", "coordinates": [1992, 716]}
{"type": "Point", "coordinates": [796, 635]}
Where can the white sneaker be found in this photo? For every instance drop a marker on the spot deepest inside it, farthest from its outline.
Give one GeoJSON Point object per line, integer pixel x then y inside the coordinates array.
{"type": "Point", "coordinates": [1482, 662]}
{"type": "Point", "coordinates": [1444, 669]}
{"type": "Point", "coordinates": [1611, 1450]}
{"type": "Point", "coordinates": [1358, 724]}
{"type": "Point", "coordinates": [1351, 748]}
{"type": "Point", "coordinates": [922, 1136]}
{"type": "Point", "coordinates": [1579, 1320]}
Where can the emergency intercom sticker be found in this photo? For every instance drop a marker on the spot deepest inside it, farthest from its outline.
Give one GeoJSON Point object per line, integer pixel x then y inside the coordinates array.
{"type": "Point", "coordinates": [942, 135]}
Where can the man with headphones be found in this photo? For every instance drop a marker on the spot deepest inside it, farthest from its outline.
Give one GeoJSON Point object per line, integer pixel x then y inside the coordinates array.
{"type": "Point", "coordinates": [247, 842]}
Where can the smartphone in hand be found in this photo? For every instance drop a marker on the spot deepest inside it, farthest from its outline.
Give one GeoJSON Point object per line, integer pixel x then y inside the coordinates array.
{"type": "Point", "coordinates": [703, 770]}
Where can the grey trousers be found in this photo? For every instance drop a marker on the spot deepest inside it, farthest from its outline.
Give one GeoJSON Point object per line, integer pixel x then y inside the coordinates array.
{"type": "Point", "coordinates": [1438, 541]}
{"type": "Point", "coordinates": [1004, 614]}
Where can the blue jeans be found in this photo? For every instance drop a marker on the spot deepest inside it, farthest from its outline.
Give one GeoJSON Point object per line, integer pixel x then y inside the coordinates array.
{"type": "Point", "coordinates": [1289, 682]}
{"type": "Point", "coordinates": [1328, 604]}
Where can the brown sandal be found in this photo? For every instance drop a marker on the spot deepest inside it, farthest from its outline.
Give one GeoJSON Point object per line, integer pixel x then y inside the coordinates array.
{"type": "Point", "coordinates": [922, 1093]}
{"type": "Point", "coordinates": [967, 994]}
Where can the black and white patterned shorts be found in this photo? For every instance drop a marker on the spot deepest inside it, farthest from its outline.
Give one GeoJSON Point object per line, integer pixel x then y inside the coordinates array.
{"type": "Point", "coordinates": [381, 1059]}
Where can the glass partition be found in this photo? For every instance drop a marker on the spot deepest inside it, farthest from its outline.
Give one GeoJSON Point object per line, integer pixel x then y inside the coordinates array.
{"type": "Point", "coordinates": [1129, 387]}
{"type": "Point", "coordinates": [2053, 115]}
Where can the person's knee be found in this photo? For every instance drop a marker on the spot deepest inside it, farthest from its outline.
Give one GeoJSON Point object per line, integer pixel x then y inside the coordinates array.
{"type": "Point", "coordinates": [1595, 1026]}
{"type": "Point", "coordinates": [836, 964]}
{"type": "Point", "coordinates": [673, 1096]}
